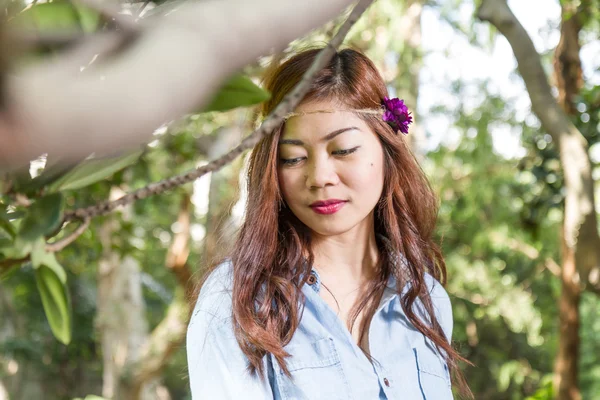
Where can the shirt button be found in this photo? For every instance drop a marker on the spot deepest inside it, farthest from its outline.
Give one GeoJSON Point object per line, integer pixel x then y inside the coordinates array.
{"type": "Point", "coordinates": [387, 383]}
{"type": "Point", "coordinates": [312, 279]}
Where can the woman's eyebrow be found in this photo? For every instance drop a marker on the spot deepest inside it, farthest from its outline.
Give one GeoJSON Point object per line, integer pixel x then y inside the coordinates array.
{"type": "Point", "coordinates": [326, 138]}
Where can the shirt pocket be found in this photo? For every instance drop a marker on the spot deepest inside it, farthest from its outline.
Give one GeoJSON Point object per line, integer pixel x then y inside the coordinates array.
{"type": "Point", "coordinates": [434, 377]}
{"type": "Point", "coordinates": [316, 372]}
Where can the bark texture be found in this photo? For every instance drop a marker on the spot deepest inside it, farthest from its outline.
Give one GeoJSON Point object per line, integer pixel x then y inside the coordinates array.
{"type": "Point", "coordinates": [569, 80]}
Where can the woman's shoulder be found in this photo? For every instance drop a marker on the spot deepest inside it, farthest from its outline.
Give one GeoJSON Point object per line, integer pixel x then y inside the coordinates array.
{"type": "Point", "coordinates": [442, 305]}
{"type": "Point", "coordinates": [438, 293]}
{"type": "Point", "coordinates": [215, 299]}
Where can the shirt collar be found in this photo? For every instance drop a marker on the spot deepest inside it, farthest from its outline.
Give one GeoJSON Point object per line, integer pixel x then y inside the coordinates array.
{"type": "Point", "coordinates": [315, 282]}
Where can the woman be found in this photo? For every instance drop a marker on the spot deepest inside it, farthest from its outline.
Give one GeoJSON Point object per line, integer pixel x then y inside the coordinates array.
{"type": "Point", "coordinates": [332, 287]}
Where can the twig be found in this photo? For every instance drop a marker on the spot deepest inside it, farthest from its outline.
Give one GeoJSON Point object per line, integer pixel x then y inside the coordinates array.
{"type": "Point", "coordinates": [64, 242]}
{"type": "Point", "coordinates": [11, 262]}
{"type": "Point", "coordinates": [141, 9]}
{"type": "Point", "coordinates": [288, 104]}
{"type": "Point", "coordinates": [553, 267]}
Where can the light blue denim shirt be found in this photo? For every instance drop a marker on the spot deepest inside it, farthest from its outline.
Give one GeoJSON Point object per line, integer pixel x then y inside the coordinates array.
{"type": "Point", "coordinates": [325, 363]}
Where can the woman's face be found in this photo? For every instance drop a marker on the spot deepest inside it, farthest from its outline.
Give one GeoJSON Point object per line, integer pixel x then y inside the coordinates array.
{"type": "Point", "coordinates": [330, 169]}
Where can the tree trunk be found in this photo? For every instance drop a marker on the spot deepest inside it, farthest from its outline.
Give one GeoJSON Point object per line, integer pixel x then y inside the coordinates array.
{"type": "Point", "coordinates": [167, 337]}
{"type": "Point", "coordinates": [566, 365]}
{"type": "Point", "coordinates": [580, 238]}
{"type": "Point", "coordinates": [120, 318]}
{"type": "Point", "coordinates": [569, 79]}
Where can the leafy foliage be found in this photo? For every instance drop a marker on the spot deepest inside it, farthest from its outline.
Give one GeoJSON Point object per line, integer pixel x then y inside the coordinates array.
{"type": "Point", "coordinates": [238, 91]}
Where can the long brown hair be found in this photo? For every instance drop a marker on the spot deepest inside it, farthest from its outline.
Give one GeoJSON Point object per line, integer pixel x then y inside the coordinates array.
{"type": "Point", "coordinates": [272, 255]}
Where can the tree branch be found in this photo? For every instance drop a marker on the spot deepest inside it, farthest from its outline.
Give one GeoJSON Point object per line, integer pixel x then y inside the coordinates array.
{"type": "Point", "coordinates": [580, 225]}
{"type": "Point", "coordinates": [172, 67]}
{"type": "Point", "coordinates": [567, 63]}
{"type": "Point", "coordinates": [61, 244]}
{"type": "Point", "coordinates": [287, 105]}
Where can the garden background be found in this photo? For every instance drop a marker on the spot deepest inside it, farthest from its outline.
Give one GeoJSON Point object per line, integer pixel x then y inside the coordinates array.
{"type": "Point", "coordinates": [507, 125]}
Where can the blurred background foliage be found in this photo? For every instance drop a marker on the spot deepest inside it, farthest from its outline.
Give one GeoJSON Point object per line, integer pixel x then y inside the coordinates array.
{"type": "Point", "coordinates": [499, 223]}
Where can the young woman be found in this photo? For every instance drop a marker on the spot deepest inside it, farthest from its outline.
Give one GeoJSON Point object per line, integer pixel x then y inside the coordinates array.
{"type": "Point", "coordinates": [332, 289]}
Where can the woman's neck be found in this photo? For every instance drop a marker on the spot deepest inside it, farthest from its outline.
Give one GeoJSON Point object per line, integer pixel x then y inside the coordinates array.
{"type": "Point", "coordinates": [348, 258]}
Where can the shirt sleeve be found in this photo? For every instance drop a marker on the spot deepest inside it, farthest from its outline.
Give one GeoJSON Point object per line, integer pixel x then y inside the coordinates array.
{"type": "Point", "coordinates": [217, 366]}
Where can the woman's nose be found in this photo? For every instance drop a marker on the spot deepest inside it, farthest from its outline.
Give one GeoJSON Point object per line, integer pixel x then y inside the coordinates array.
{"type": "Point", "coordinates": [321, 173]}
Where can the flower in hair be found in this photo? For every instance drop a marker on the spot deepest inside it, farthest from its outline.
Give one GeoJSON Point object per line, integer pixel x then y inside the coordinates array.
{"type": "Point", "coordinates": [396, 114]}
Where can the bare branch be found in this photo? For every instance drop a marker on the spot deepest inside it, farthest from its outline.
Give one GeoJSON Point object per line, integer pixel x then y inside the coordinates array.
{"type": "Point", "coordinates": [288, 104]}
{"type": "Point", "coordinates": [11, 262]}
{"type": "Point", "coordinates": [61, 244]}
{"type": "Point", "coordinates": [142, 8]}
{"type": "Point", "coordinates": [552, 266]}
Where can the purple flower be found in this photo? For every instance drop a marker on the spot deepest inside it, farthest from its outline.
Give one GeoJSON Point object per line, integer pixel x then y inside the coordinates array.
{"type": "Point", "coordinates": [396, 114]}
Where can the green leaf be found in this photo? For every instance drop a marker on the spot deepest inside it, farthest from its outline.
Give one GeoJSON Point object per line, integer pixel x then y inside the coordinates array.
{"type": "Point", "coordinates": [50, 174]}
{"type": "Point", "coordinates": [20, 178]}
{"type": "Point", "coordinates": [238, 91]}
{"type": "Point", "coordinates": [89, 19]}
{"type": "Point", "coordinates": [7, 273]}
{"type": "Point", "coordinates": [5, 242]}
{"type": "Point", "coordinates": [53, 16]}
{"type": "Point", "coordinates": [39, 257]}
{"type": "Point", "coordinates": [93, 170]}
{"type": "Point", "coordinates": [18, 249]}
{"type": "Point", "coordinates": [56, 302]}
{"type": "Point", "coordinates": [14, 215]}
{"type": "Point", "coordinates": [6, 226]}
{"type": "Point", "coordinates": [43, 217]}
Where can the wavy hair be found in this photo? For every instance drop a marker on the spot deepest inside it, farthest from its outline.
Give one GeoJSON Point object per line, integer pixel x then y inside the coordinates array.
{"type": "Point", "coordinates": [272, 255]}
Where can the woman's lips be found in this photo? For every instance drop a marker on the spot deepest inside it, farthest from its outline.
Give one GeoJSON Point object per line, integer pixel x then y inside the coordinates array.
{"type": "Point", "coordinates": [327, 207]}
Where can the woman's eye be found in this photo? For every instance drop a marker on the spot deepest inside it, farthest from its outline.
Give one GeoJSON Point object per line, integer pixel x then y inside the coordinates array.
{"type": "Point", "coordinates": [345, 152]}
{"type": "Point", "coordinates": [291, 161]}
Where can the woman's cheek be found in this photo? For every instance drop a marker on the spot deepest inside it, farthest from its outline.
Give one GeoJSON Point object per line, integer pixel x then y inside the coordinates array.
{"type": "Point", "coordinates": [367, 174]}
{"type": "Point", "coordinates": [289, 183]}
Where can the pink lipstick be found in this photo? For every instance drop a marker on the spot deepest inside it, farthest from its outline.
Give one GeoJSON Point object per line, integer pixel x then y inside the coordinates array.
{"type": "Point", "coordinates": [330, 206]}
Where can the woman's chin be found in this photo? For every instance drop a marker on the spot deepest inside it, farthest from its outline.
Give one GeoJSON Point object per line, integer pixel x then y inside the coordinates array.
{"type": "Point", "coordinates": [331, 228]}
